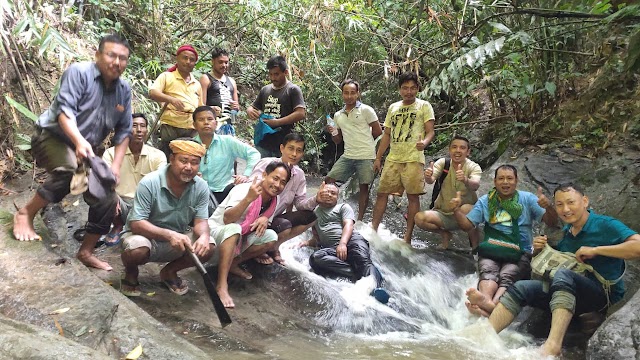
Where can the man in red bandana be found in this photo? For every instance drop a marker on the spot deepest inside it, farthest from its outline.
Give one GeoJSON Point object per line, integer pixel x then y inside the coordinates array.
{"type": "Point", "coordinates": [178, 92]}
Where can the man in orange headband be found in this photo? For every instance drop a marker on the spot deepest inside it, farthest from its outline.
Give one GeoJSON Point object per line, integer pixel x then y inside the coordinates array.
{"type": "Point", "coordinates": [178, 92]}
{"type": "Point", "coordinates": [166, 202]}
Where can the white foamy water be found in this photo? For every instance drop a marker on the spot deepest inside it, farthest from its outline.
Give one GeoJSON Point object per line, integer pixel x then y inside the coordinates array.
{"type": "Point", "coordinates": [425, 318]}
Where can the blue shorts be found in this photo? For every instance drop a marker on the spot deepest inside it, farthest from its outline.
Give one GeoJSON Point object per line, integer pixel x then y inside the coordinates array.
{"type": "Point", "coordinates": [344, 168]}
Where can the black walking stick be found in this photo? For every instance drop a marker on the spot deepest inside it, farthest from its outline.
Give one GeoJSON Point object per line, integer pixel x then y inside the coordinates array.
{"type": "Point", "coordinates": [221, 311]}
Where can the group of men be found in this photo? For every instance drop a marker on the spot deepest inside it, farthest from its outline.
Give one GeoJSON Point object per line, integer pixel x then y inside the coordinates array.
{"type": "Point", "coordinates": [189, 198]}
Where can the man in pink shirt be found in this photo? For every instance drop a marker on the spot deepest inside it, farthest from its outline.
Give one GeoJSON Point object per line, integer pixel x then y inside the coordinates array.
{"type": "Point", "coordinates": [288, 223]}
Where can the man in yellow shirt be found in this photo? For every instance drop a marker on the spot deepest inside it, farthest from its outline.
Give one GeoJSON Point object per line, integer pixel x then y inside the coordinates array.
{"type": "Point", "coordinates": [408, 131]}
{"type": "Point", "coordinates": [179, 94]}
{"type": "Point", "coordinates": [139, 160]}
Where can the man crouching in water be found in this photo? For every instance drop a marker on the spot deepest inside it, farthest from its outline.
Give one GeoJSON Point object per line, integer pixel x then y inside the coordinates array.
{"type": "Point", "coordinates": [600, 241]}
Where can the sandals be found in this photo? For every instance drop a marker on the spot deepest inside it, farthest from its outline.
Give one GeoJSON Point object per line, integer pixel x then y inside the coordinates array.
{"type": "Point", "coordinates": [112, 239]}
{"type": "Point", "coordinates": [176, 286]}
{"type": "Point", "coordinates": [130, 289]}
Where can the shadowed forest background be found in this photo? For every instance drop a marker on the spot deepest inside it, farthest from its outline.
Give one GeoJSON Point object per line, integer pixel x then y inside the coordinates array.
{"type": "Point", "coordinates": [523, 72]}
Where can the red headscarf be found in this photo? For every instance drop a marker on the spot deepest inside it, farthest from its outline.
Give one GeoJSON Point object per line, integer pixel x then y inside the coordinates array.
{"type": "Point", "coordinates": [181, 49]}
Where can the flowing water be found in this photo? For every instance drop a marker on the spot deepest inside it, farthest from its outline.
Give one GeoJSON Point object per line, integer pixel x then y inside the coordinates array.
{"type": "Point", "coordinates": [425, 318]}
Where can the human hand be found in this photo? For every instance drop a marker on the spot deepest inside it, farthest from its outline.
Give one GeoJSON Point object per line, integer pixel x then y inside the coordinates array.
{"type": "Point", "coordinates": [274, 123]}
{"type": "Point", "coordinates": [456, 202]}
{"type": "Point", "coordinates": [177, 103]}
{"type": "Point", "coordinates": [217, 110]}
{"type": "Point", "coordinates": [460, 174]}
{"type": "Point", "coordinates": [234, 105]}
{"type": "Point", "coordinates": [428, 172]}
{"type": "Point", "coordinates": [255, 190]}
{"type": "Point", "coordinates": [253, 113]}
{"type": "Point", "coordinates": [341, 251]}
{"type": "Point", "coordinates": [539, 242]}
{"type": "Point", "coordinates": [240, 179]}
{"type": "Point", "coordinates": [84, 149]}
{"type": "Point", "coordinates": [201, 246]}
{"type": "Point", "coordinates": [543, 201]}
{"type": "Point", "coordinates": [377, 166]}
{"type": "Point", "coordinates": [320, 193]}
{"type": "Point", "coordinates": [586, 253]}
{"type": "Point", "coordinates": [180, 241]}
{"type": "Point", "coordinates": [260, 225]}
{"type": "Point", "coordinates": [420, 145]}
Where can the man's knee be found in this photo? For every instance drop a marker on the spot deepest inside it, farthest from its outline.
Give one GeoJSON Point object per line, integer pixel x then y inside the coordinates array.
{"type": "Point", "coordinates": [563, 281]}
{"type": "Point", "coordinates": [137, 256]}
{"type": "Point", "coordinates": [427, 219]}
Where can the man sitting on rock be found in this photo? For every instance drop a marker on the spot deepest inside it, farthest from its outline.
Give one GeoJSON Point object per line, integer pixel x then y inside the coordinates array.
{"type": "Point", "coordinates": [600, 241]}
{"type": "Point", "coordinates": [344, 252]}
{"type": "Point", "coordinates": [240, 224]}
{"type": "Point", "coordinates": [139, 160]}
{"type": "Point", "coordinates": [462, 175]}
{"type": "Point", "coordinates": [505, 252]}
{"type": "Point", "coordinates": [157, 229]}
{"type": "Point", "coordinates": [291, 223]}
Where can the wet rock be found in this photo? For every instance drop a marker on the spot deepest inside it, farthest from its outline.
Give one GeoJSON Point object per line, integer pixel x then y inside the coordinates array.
{"type": "Point", "coordinates": [619, 336]}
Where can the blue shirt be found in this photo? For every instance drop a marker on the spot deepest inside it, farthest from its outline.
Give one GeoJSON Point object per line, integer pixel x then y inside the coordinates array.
{"type": "Point", "coordinates": [600, 230]}
{"type": "Point", "coordinates": [216, 165]}
{"type": "Point", "coordinates": [156, 203]}
{"type": "Point", "coordinates": [97, 111]}
{"type": "Point", "coordinates": [502, 221]}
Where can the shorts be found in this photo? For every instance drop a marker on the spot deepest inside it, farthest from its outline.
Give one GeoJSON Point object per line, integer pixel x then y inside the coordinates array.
{"type": "Point", "coordinates": [292, 219]}
{"type": "Point", "coordinates": [399, 177]}
{"type": "Point", "coordinates": [449, 222]}
{"type": "Point", "coordinates": [222, 233]}
{"type": "Point", "coordinates": [159, 251]}
{"type": "Point", "coordinates": [344, 168]}
{"type": "Point", "coordinates": [169, 133]}
{"type": "Point", "coordinates": [504, 274]}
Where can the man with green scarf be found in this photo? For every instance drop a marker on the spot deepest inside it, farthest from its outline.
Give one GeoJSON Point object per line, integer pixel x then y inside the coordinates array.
{"type": "Point", "coordinates": [505, 251]}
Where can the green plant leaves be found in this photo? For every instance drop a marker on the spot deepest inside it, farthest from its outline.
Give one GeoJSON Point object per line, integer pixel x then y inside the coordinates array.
{"type": "Point", "coordinates": [21, 108]}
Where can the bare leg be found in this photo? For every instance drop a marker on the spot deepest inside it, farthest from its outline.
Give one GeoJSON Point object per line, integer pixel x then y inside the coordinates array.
{"type": "Point", "coordinates": [412, 210]}
{"type": "Point", "coordinates": [131, 259]}
{"type": "Point", "coordinates": [284, 236]}
{"type": "Point", "coordinates": [226, 250]}
{"type": "Point", "coordinates": [500, 318]}
{"type": "Point", "coordinates": [484, 297]}
{"type": "Point", "coordinates": [474, 238]}
{"type": "Point", "coordinates": [430, 221]}
{"type": "Point", "coordinates": [363, 200]}
{"type": "Point", "coordinates": [496, 297]}
{"type": "Point", "coordinates": [23, 220]}
{"type": "Point", "coordinates": [379, 209]}
{"type": "Point", "coordinates": [85, 253]}
{"type": "Point", "coordinates": [560, 319]}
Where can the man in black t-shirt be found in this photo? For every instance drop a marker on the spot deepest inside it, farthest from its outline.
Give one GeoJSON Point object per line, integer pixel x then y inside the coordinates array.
{"type": "Point", "coordinates": [282, 102]}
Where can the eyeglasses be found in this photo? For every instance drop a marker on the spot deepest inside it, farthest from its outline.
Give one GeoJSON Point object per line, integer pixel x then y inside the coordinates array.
{"type": "Point", "coordinates": [113, 56]}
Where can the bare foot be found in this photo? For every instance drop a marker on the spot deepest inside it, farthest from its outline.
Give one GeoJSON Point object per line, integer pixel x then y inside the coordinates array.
{"type": "Point", "coordinates": [238, 271]}
{"type": "Point", "coordinates": [23, 227]}
{"type": "Point", "coordinates": [475, 309]}
{"type": "Point", "coordinates": [94, 262]}
{"type": "Point", "coordinates": [475, 297]}
{"type": "Point", "coordinates": [550, 348]}
{"type": "Point", "coordinates": [446, 238]}
{"type": "Point", "coordinates": [226, 299]}
{"type": "Point", "coordinates": [264, 259]}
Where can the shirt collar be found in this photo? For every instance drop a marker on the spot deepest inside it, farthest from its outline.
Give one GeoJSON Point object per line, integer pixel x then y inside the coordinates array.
{"type": "Point", "coordinates": [358, 103]}
{"type": "Point", "coordinates": [587, 225]}
{"type": "Point", "coordinates": [176, 73]}
{"type": "Point", "coordinates": [143, 151]}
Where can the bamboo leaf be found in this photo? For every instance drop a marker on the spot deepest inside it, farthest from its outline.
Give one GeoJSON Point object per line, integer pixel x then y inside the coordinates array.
{"type": "Point", "coordinates": [21, 108]}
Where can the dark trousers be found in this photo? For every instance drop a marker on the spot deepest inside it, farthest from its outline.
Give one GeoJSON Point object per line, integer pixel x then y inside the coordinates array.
{"type": "Point", "coordinates": [60, 161]}
{"type": "Point", "coordinates": [325, 262]}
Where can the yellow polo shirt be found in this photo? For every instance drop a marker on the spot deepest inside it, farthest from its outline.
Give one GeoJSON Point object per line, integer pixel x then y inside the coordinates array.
{"type": "Point", "coordinates": [172, 84]}
{"type": "Point", "coordinates": [151, 159]}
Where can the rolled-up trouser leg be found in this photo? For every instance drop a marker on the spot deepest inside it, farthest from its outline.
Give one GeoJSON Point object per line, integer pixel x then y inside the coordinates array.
{"type": "Point", "coordinates": [525, 292]}
{"type": "Point", "coordinates": [101, 212]}
{"type": "Point", "coordinates": [59, 159]}
{"type": "Point", "coordinates": [576, 293]}
{"type": "Point", "coordinates": [325, 262]}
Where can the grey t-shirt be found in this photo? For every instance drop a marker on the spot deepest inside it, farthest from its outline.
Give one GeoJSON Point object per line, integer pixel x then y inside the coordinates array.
{"type": "Point", "coordinates": [329, 224]}
{"type": "Point", "coordinates": [278, 103]}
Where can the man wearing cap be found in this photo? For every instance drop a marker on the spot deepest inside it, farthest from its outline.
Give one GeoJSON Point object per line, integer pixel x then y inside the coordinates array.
{"type": "Point", "coordinates": [157, 230]}
{"type": "Point", "coordinates": [178, 92]}
{"type": "Point", "coordinates": [91, 102]}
